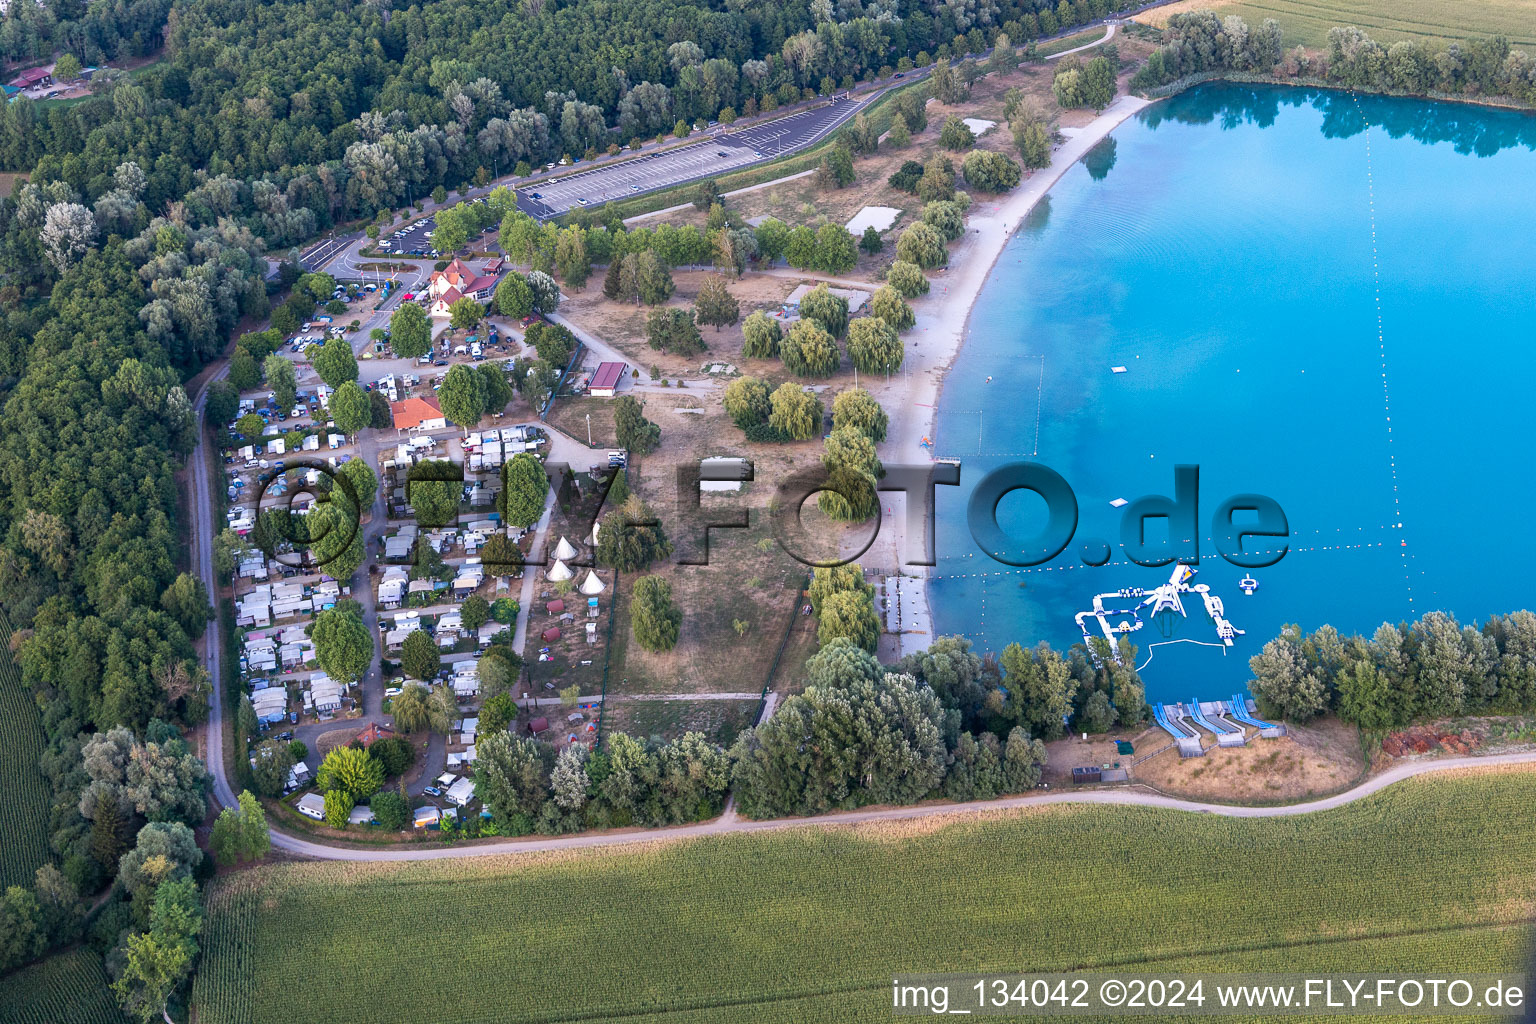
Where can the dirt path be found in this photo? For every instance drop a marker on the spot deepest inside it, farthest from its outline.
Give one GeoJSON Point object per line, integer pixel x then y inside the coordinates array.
{"type": "Point", "coordinates": [729, 823]}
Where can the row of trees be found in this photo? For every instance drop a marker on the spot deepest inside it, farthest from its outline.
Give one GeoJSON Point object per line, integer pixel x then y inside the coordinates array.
{"type": "Point", "coordinates": [1200, 41]}
{"type": "Point", "coordinates": [861, 734]}
{"type": "Point", "coordinates": [1431, 668]}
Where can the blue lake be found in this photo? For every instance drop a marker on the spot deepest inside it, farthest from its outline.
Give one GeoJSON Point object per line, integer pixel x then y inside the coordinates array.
{"type": "Point", "coordinates": [1337, 316]}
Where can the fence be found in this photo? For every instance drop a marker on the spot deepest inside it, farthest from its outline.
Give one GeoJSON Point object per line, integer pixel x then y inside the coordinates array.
{"type": "Point", "coordinates": [789, 628]}
{"type": "Point", "coordinates": [602, 707]}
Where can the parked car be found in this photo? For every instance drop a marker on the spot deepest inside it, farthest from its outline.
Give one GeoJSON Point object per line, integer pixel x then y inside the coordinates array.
{"type": "Point", "coordinates": [430, 790]}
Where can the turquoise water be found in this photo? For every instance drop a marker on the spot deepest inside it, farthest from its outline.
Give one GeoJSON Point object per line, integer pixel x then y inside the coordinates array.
{"type": "Point", "coordinates": [1220, 247]}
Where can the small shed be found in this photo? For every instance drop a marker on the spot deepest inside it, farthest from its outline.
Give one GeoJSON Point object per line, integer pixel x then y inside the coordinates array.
{"type": "Point", "coordinates": [555, 607]}
{"type": "Point", "coordinates": [538, 725]}
{"type": "Point", "coordinates": [550, 635]}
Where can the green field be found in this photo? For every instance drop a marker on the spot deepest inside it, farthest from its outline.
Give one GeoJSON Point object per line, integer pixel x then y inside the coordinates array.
{"type": "Point", "coordinates": [24, 812]}
{"type": "Point", "coordinates": [70, 988]}
{"type": "Point", "coordinates": [1436, 21]}
{"type": "Point", "coordinates": [811, 924]}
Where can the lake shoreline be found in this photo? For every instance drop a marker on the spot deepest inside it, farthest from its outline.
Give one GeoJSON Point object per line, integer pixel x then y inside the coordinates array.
{"type": "Point", "coordinates": [944, 314]}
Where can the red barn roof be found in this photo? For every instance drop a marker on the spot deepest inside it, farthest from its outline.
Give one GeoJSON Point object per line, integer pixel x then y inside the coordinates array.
{"type": "Point", "coordinates": [608, 375]}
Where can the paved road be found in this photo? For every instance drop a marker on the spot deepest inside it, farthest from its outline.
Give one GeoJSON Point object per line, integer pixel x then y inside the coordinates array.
{"type": "Point", "coordinates": [729, 823]}
{"type": "Point", "coordinates": [720, 153]}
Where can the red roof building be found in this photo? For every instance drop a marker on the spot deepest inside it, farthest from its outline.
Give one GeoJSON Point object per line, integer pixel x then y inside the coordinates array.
{"type": "Point", "coordinates": [556, 606]}
{"type": "Point", "coordinates": [551, 634]}
{"type": "Point", "coordinates": [375, 732]}
{"type": "Point", "coordinates": [32, 76]}
{"type": "Point", "coordinates": [458, 277]}
{"type": "Point", "coordinates": [417, 414]}
{"type": "Point", "coordinates": [605, 382]}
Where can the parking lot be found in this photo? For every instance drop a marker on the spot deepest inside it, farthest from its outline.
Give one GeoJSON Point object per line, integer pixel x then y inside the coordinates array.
{"type": "Point", "coordinates": [412, 241]}
{"type": "Point", "coordinates": [718, 154]}
{"type": "Point", "coordinates": [643, 174]}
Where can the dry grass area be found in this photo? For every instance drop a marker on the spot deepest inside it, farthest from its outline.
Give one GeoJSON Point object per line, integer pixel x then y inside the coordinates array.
{"type": "Point", "coordinates": [720, 720]}
{"type": "Point", "coordinates": [749, 578]}
{"type": "Point", "coordinates": [575, 415]}
{"type": "Point", "coordinates": [623, 324]}
{"type": "Point", "coordinates": [1073, 751]}
{"type": "Point", "coordinates": [1312, 760]}
{"type": "Point", "coordinates": [1433, 21]}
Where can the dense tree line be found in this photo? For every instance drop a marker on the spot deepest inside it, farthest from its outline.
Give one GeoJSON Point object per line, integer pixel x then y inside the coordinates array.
{"type": "Point", "coordinates": [95, 32]}
{"type": "Point", "coordinates": [284, 118]}
{"type": "Point", "coordinates": [529, 787]}
{"type": "Point", "coordinates": [861, 734]}
{"type": "Point", "coordinates": [1200, 41]}
{"type": "Point", "coordinates": [1431, 668]}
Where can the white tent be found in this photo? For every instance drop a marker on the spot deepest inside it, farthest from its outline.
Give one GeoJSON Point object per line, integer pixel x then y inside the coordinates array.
{"type": "Point", "coordinates": [564, 549]}
{"type": "Point", "coordinates": [592, 539]}
{"type": "Point", "coordinates": [560, 571]}
{"type": "Point", "coordinates": [591, 586]}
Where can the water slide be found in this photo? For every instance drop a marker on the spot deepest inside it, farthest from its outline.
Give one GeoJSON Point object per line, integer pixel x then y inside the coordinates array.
{"type": "Point", "coordinates": [1240, 712]}
{"type": "Point", "coordinates": [1178, 732]}
{"type": "Point", "coordinates": [1215, 728]}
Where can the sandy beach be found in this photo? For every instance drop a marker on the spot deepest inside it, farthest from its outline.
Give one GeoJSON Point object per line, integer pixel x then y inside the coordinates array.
{"type": "Point", "coordinates": [943, 319]}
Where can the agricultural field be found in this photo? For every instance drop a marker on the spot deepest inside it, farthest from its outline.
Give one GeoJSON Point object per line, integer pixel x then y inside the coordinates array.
{"type": "Point", "coordinates": [69, 988]}
{"type": "Point", "coordinates": [1436, 873]}
{"type": "Point", "coordinates": [1307, 21]}
{"type": "Point", "coordinates": [24, 812]}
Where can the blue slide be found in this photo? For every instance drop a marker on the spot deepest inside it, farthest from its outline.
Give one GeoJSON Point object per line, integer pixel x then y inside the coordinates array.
{"type": "Point", "coordinates": [1205, 723]}
{"type": "Point", "coordinates": [1240, 712]}
{"type": "Point", "coordinates": [1160, 715]}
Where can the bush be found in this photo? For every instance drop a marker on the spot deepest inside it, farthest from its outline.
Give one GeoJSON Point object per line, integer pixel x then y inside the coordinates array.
{"type": "Point", "coordinates": [390, 810]}
{"type": "Point", "coordinates": [396, 754]}
{"type": "Point", "coordinates": [655, 620]}
{"type": "Point", "coordinates": [906, 178]}
{"type": "Point", "coordinates": [956, 134]}
{"type": "Point", "coordinates": [907, 278]}
{"type": "Point", "coordinates": [990, 172]}
{"type": "Point", "coordinates": [922, 246]}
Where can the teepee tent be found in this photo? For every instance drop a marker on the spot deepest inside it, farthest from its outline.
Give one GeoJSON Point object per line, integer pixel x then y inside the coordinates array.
{"type": "Point", "coordinates": [560, 571]}
{"type": "Point", "coordinates": [591, 586]}
{"type": "Point", "coordinates": [565, 549]}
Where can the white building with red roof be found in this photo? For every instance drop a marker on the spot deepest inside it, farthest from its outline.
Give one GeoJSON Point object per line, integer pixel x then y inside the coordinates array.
{"type": "Point", "coordinates": [458, 281]}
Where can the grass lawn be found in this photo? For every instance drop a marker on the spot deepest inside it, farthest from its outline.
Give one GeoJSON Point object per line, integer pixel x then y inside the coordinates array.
{"type": "Point", "coordinates": [811, 924]}
{"type": "Point", "coordinates": [1435, 21]}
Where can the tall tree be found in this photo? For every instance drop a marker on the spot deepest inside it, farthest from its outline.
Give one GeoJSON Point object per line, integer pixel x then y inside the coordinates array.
{"type": "Point", "coordinates": [715, 305]}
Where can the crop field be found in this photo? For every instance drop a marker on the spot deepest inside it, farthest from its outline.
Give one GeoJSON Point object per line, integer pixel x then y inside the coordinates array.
{"type": "Point", "coordinates": [811, 924]}
{"type": "Point", "coordinates": [1434, 21]}
{"type": "Point", "coordinates": [24, 812]}
{"type": "Point", "coordinates": [69, 988]}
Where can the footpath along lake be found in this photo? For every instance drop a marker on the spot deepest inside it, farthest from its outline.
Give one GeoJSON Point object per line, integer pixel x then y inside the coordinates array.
{"type": "Point", "coordinates": [1334, 316]}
